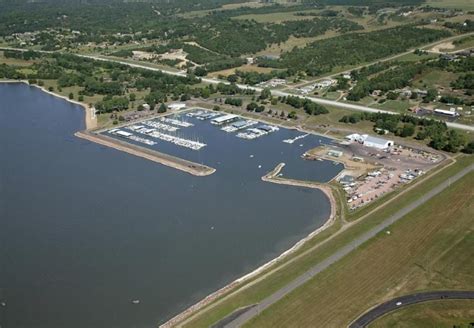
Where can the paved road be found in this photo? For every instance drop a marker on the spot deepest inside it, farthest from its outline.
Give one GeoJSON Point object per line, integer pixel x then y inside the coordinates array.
{"type": "Point", "coordinates": [274, 92]}
{"type": "Point", "coordinates": [403, 301]}
{"type": "Point", "coordinates": [342, 252]}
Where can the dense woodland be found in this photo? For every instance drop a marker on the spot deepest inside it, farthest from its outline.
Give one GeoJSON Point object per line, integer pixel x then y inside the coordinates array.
{"type": "Point", "coordinates": [226, 38]}
{"type": "Point", "coordinates": [356, 48]}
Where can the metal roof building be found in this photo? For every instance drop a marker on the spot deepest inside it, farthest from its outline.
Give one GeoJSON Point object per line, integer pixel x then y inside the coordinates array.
{"type": "Point", "coordinates": [378, 143]}
{"type": "Point", "coordinates": [224, 119]}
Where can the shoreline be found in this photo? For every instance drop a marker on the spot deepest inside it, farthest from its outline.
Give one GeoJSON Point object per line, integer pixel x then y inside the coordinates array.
{"type": "Point", "coordinates": [201, 170]}
{"type": "Point", "coordinates": [149, 154]}
{"type": "Point", "coordinates": [271, 177]}
{"type": "Point", "coordinates": [89, 120]}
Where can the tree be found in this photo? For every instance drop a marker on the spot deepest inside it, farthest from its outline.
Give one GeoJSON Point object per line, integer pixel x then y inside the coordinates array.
{"type": "Point", "coordinates": [71, 95]}
{"type": "Point", "coordinates": [232, 78]}
{"type": "Point", "coordinates": [469, 148]}
{"type": "Point", "coordinates": [200, 71]}
{"type": "Point", "coordinates": [392, 95]}
{"type": "Point", "coordinates": [132, 97]}
{"type": "Point", "coordinates": [430, 96]}
{"type": "Point", "coordinates": [406, 131]}
{"type": "Point", "coordinates": [265, 94]}
{"type": "Point", "coordinates": [162, 108]}
{"type": "Point", "coordinates": [292, 115]}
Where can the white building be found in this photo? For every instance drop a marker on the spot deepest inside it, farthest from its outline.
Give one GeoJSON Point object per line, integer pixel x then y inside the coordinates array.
{"type": "Point", "coordinates": [452, 112]}
{"type": "Point", "coordinates": [378, 143]}
{"type": "Point", "coordinates": [369, 141]}
{"type": "Point", "coordinates": [176, 106]}
{"type": "Point", "coordinates": [325, 83]}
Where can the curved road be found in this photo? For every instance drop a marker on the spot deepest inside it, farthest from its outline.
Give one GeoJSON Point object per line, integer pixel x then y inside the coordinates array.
{"type": "Point", "coordinates": [243, 317]}
{"type": "Point", "coordinates": [274, 92]}
{"type": "Point", "coordinates": [399, 302]}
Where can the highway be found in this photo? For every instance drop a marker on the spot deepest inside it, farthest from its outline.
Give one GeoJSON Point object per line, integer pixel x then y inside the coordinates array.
{"type": "Point", "coordinates": [274, 92]}
{"type": "Point", "coordinates": [400, 302]}
{"type": "Point", "coordinates": [245, 316]}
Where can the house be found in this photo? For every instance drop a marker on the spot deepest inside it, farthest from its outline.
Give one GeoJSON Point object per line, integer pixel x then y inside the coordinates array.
{"type": "Point", "coordinates": [347, 76]}
{"type": "Point", "coordinates": [176, 106]}
{"type": "Point", "coordinates": [325, 83]}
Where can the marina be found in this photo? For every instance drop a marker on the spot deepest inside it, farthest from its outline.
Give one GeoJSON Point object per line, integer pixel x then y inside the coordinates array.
{"type": "Point", "coordinates": [136, 213]}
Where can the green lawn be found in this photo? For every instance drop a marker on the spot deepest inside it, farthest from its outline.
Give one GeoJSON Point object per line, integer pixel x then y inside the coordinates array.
{"type": "Point", "coordinates": [278, 278]}
{"type": "Point", "coordinates": [400, 106]}
{"type": "Point", "coordinates": [431, 248]}
{"type": "Point", "coordinates": [448, 314]}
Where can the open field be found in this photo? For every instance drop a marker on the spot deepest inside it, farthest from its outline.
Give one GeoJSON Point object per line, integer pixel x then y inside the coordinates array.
{"type": "Point", "coordinates": [278, 17]}
{"type": "Point", "coordinates": [446, 313]}
{"type": "Point", "coordinates": [431, 248]}
{"type": "Point", "coordinates": [325, 244]}
{"type": "Point", "coordinates": [452, 4]}
{"type": "Point", "coordinates": [243, 68]}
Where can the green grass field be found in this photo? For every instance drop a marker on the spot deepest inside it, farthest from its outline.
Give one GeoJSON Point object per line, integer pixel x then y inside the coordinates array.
{"type": "Point", "coordinates": [448, 313]}
{"type": "Point", "coordinates": [431, 248]}
{"type": "Point", "coordinates": [278, 17]}
{"type": "Point", "coordinates": [400, 106]}
{"type": "Point", "coordinates": [452, 4]}
{"type": "Point", "coordinates": [315, 251]}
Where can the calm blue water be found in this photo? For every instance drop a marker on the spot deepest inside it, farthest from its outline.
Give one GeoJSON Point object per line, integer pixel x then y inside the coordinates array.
{"type": "Point", "coordinates": [231, 155]}
{"type": "Point", "coordinates": [84, 229]}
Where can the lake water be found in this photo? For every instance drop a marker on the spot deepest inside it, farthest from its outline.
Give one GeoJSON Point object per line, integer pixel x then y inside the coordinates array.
{"type": "Point", "coordinates": [85, 229]}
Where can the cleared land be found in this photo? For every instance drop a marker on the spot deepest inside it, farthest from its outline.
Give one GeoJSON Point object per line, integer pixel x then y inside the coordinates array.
{"type": "Point", "coordinates": [433, 314]}
{"type": "Point", "coordinates": [431, 248]}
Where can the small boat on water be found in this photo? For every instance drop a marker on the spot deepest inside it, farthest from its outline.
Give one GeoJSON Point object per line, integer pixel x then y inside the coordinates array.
{"type": "Point", "coordinates": [135, 301]}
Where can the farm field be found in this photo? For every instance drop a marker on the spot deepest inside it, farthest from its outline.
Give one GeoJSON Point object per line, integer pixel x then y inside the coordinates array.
{"type": "Point", "coordinates": [452, 4]}
{"type": "Point", "coordinates": [431, 248]}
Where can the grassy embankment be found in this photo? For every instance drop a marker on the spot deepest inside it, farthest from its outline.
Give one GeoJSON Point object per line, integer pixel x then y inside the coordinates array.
{"type": "Point", "coordinates": [431, 248]}
{"type": "Point", "coordinates": [317, 250]}
{"type": "Point", "coordinates": [448, 313]}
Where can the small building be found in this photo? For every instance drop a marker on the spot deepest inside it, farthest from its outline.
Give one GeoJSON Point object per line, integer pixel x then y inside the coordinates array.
{"type": "Point", "coordinates": [378, 143]}
{"type": "Point", "coordinates": [146, 107]}
{"type": "Point", "coordinates": [346, 179]}
{"type": "Point", "coordinates": [123, 133]}
{"type": "Point", "coordinates": [356, 137]}
{"type": "Point", "coordinates": [347, 76]}
{"type": "Point", "coordinates": [176, 106]}
{"type": "Point", "coordinates": [451, 113]}
{"type": "Point", "coordinates": [335, 153]}
{"type": "Point", "coordinates": [229, 118]}
{"type": "Point", "coordinates": [265, 128]}
{"type": "Point", "coordinates": [240, 124]}
{"type": "Point", "coordinates": [326, 83]}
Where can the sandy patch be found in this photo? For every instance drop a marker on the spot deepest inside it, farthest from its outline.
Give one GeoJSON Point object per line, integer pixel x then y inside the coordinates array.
{"type": "Point", "coordinates": [443, 47]}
